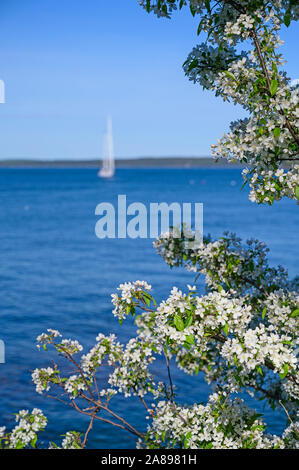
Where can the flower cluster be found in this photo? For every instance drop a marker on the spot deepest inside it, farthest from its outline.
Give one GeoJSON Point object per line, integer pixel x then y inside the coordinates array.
{"type": "Point", "coordinates": [107, 348]}
{"type": "Point", "coordinates": [131, 293]}
{"type": "Point", "coordinates": [258, 347]}
{"type": "Point", "coordinates": [43, 377]}
{"type": "Point", "coordinates": [291, 436]}
{"type": "Point", "coordinates": [188, 318]}
{"type": "Point", "coordinates": [69, 346]}
{"type": "Point", "coordinates": [222, 423]}
{"type": "Point", "coordinates": [205, 63]}
{"type": "Point", "coordinates": [24, 434]}
{"type": "Point", "coordinates": [267, 141]}
{"type": "Point", "coordinates": [281, 309]}
{"type": "Point", "coordinates": [72, 440]}
{"type": "Point", "coordinates": [47, 338]}
{"type": "Point", "coordinates": [225, 262]}
{"type": "Point", "coordinates": [242, 338]}
{"type": "Point", "coordinates": [74, 384]}
{"type": "Point", "coordinates": [132, 376]}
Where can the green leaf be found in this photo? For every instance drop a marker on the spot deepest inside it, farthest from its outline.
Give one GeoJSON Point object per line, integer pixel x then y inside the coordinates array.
{"type": "Point", "coordinates": [192, 65]}
{"type": "Point", "coordinates": [33, 442]}
{"type": "Point", "coordinates": [199, 28]}
{"type": "Point", "coordinates": [260, 427]}
{"type": "Point", "coordinates": [285, 371]}
{"type": "Point", "coordinates": [208, 6]}
{"type": "Point", "coordinates": [209, 445]}
{"type": "Point", "coordinates": [295, 313]}
{"type": "Point", "coordinates": [19, 445]}
{"type": "Point", "coordinates": [54, 445]}
{"type": "Point", "coordinates": [178, 322]}
{"type": "Point", "coordinates": [297, 192]}
{"type": "Point", "coordinates": [264, 313]}
{"type": "Point", "coordinates": [259, 369]}
{"type": "Point", "coordinates": [225, 329]}
{"type": "Point", "coordinates": [187, 438]}
{"type": "Point", "coordinates": [192, 9]}
{"type": "Point", "coordinates": [190, 339]}
{"type": "Point", "coordinates": [189, 321]}
{"type": "Point", "coordinates": [276, 132]}
{"type": "Point", "coordinates": [230, 75]}
{"type": "Point", "coordinates": [274, 67]}
{"type": "Point", "coordinates": [273, 87]}
{"type": "Point", "coordinates": [253, 418]}
{"type": "Point", "coordinates": [287, 19]}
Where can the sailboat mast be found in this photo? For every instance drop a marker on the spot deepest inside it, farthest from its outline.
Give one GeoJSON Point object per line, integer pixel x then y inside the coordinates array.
{"type": "Point", "coordinates": [110, 143]}
{"type": "Point", "coordinates": [108, 167]}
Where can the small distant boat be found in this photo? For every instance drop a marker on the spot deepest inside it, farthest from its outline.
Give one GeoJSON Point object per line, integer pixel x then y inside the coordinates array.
{"type": "Point", "coordinates": [108, 165]}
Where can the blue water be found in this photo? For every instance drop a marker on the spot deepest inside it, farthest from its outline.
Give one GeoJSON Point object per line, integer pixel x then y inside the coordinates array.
{"type": "Point", "coordinates": [56, 273]}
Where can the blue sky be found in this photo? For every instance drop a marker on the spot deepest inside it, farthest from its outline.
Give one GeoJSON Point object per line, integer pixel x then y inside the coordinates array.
{"type": "Point", "coordinates": [66, 64]}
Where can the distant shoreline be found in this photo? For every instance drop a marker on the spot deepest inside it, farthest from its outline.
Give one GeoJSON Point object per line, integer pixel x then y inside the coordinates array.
{"type": "Point", "coordinates": [145, 162]}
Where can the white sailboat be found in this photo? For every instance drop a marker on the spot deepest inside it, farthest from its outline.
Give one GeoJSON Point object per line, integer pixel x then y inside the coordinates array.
{"type": "Point", "coordinates": [108, 166]}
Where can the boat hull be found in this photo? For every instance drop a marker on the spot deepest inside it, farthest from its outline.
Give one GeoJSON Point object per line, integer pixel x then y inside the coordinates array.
{"type": "Point", "coordinates": [104, 173]}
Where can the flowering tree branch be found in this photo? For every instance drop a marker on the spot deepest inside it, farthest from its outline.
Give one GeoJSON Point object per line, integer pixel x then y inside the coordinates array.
{"type": "Point", "coordinates": [242, 334]}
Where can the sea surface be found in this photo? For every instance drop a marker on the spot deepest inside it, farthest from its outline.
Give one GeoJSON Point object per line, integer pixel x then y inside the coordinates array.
{"type": "Point", "coordinates": [55, 272]}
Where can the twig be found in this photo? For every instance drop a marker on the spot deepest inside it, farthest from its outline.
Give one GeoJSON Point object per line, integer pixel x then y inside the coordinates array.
{"type": "Point", "coordinates": [286, 412]}
{"type": "Point", "coordinates": [70, 357]}
{"type": "Point", "coordinates": [169, 376]}
{"type": "Point", "coordinates": [88, 431]}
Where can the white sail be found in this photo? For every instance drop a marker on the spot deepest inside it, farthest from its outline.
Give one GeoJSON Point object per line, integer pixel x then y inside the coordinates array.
{"type": "Point", "coordinates": [108, 165]}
